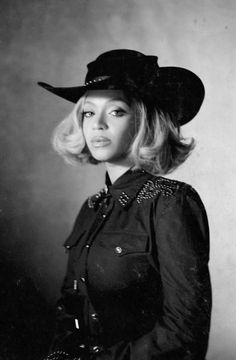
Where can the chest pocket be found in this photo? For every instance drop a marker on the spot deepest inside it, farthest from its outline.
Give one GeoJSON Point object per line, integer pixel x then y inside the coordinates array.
{"type": "Point", "coordinates": [118, 260]}
{"type": "Point", "coordinates": [123, 243]}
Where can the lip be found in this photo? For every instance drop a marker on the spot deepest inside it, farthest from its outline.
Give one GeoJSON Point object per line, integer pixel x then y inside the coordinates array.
{"type": "Point", "coordinates": [100, 141]}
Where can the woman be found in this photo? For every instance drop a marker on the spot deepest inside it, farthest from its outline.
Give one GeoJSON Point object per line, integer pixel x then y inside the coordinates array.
{"type": "Point", "coordinates": [137, 284]}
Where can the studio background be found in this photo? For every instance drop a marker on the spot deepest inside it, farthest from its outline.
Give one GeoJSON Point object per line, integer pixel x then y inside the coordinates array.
{"type": "Point", "coordinates": [52, 41]}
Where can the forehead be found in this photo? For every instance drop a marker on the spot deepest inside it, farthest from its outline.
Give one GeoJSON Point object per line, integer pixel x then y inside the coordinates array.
{"type": "Point", "coordinates": [104, 96]}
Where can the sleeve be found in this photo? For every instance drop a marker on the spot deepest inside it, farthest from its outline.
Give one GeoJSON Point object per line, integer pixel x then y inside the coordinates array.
{"type": "Point", "coordinates": [182, 240]}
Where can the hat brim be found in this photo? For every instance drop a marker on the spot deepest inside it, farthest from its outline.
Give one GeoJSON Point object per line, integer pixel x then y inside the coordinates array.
{"type": "Point", "coordinates": [177, 91]}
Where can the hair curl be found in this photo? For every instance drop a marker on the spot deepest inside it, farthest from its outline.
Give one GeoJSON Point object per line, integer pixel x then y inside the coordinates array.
{"type": "Point", "coordinates": [158, 146]}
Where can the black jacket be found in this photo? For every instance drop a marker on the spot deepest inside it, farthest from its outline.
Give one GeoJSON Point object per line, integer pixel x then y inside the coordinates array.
{"type": "Point", "coordinates": [137, 285]}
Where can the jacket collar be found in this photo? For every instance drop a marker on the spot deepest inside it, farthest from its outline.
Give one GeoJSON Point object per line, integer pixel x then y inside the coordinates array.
{"type": "Point", "coordinates": [124, 189]}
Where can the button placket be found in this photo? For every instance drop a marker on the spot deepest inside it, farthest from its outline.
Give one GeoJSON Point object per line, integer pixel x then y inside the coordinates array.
{"type": "Point", "coordinates": [101, 216]}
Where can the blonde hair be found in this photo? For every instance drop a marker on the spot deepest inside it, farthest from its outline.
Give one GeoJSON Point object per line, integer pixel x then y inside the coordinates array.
{"type": "Point", "coordinates": [158, 146]}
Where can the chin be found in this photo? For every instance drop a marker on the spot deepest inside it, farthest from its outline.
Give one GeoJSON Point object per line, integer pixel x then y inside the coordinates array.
{"type": "Point", "coordinates": [103, 156]}
{"type": "Point", "coordinates": [108, 155]}
{"type": "Point", "coordinates": [109, 159]}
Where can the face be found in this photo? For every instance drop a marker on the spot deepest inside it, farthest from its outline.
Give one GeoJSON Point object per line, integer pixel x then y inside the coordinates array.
{"type": "Point", "coordinates": [108, 125]}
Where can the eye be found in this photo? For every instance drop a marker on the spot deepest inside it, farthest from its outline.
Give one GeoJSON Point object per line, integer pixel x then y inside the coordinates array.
{"type": "Point", "coordinates": [118, 112]}
{"type": "Point", "coordinates": [87, 114]}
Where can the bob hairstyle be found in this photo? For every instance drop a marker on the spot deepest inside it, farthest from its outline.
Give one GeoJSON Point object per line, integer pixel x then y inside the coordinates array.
{"type": "Point", "coordinates": [158, 146]}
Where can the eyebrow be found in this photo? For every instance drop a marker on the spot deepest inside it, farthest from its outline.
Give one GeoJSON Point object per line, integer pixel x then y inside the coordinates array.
{"type": "Point", "coordinates": [110, 100]}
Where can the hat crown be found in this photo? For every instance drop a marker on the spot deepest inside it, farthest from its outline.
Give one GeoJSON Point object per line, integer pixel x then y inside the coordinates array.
{"type": "Point", "coordinates": [123, 62]}
{"type": "Point", "coordinates": [121, 53]}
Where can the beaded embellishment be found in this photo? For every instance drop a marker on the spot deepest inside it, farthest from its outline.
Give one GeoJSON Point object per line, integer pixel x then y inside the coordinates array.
{"type": "Point", "coordinates": [123, 198]}
{"type": "Point", "coordinates": [152, 188]}
{"type": "Point", "coordinates": [96, 80]}
{"type": "Point", "coordinates": [95, 199]}
{"type": "Point", "coordinates": [58, 355]}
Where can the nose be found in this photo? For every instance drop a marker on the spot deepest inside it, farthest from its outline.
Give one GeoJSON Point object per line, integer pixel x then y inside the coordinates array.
{"type": "Point", "coordinates": [100, 122]}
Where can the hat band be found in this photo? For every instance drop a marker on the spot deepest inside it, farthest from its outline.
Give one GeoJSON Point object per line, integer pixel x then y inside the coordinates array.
{"type": "Point", "coordinates": [97, 79]}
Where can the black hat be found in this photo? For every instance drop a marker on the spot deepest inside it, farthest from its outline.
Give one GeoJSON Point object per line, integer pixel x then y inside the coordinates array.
{"type": "Point", "coordinates": [175, 90]}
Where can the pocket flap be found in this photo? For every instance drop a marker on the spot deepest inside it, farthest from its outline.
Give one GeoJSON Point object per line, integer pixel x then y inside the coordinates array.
{"type": "Point", "coordinates": [122, 243]}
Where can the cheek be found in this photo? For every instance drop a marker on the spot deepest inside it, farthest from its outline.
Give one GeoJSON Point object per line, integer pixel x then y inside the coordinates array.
{"type": "Point", "coordinates": [126, 137]}
{"type": "Point", "coordinates": [130, 132]}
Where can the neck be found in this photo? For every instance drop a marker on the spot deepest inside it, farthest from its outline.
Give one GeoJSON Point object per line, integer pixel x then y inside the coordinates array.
{"type": "Point", "coordinates": [115, 170]}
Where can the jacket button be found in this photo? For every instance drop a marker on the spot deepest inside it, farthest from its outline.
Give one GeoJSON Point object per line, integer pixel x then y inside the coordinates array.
{"type": "Point", "coordinates": [118, 250]}
{"type": "Point", "coordinates": [75, 285]}
{"type": "Point", "coordinates": [87, 246]}
{"type": "Point", "coordinates": [76, 323]}
{"type": "Point", "coordinates": [94, 316]}
{"type": "Point", "coordinates": [96, 349]}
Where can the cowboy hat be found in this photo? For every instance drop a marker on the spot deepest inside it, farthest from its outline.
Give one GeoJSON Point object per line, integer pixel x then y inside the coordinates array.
{"type": "Point", "coordinates": [175, 90]}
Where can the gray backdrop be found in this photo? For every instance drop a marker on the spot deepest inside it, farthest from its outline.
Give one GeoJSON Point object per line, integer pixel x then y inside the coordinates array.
{"type": "Point", "coordinates": [52, 41]}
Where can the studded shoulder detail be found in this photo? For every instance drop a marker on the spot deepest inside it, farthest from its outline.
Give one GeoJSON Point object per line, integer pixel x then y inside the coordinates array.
{"type": "Point", "coordinates": [159, 185]}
